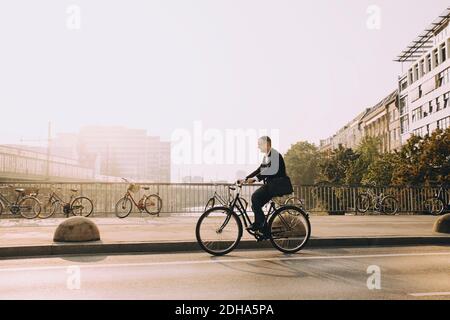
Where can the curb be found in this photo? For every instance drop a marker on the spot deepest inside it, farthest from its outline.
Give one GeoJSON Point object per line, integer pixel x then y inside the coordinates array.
{"type": "Point", "coordinates": [86, 248]}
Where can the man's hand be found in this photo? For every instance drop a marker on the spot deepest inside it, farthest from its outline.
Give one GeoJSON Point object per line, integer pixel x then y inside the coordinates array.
{"type": "Point", "coordinates": [249, 181]}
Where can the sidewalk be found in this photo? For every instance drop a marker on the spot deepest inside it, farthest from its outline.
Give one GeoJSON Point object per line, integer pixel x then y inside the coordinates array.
{"type": "Point", "coordinates": [148, 232]}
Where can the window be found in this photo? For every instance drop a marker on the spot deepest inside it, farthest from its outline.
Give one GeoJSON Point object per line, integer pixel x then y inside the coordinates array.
{"type": "Point", "coordinates": [410, 76]}
{"type": "Point", "coordinates": [404, 124]}
{"type": "Point", "coordinates": [421, 68]}
{"type": "Point", "coordinates": [430, 107]}
{"type": "Point", "coordinates": [443, 50]}
{"type": "Point", "coordinates": [416, 114]}
{"type": "Point", "coordinates": [446, 96]}
{"type": "Point", "coordinates": [438, 104]}
{"type": "Point", "coordinates": [403, 84]}
{"type": "Point", "coordinates": [435, 58]}
{"type": "Point", "coordinates": [444, 123]}
{"type": "Point", "coordinates": [429, 66]}
{"type": "Point", "coordinates": [416, 72]}
{"type": "Point", "coordinates": [403, 105]}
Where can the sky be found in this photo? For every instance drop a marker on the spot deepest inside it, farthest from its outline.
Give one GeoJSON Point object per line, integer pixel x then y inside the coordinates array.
{"type": "Point", "coordinates": [301, 69]}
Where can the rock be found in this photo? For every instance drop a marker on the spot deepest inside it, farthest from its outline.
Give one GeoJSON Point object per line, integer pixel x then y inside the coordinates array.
{"type": "Point", "coordinates": [76, 229]}
{"type": "Point", "coordinates": [442, 224]}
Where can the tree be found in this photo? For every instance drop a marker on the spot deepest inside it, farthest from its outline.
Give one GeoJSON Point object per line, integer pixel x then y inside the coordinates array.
{"type": "Point", "coordinates": [301, 163]}
{"type": "Point", "coordinates": [380, 171]}
{"type": "Point", "coordinates": [368, 153]}
{"type": "Point", "coordinates": [424, 160]}
{"type": "Point", "coordinates": [334, 168]}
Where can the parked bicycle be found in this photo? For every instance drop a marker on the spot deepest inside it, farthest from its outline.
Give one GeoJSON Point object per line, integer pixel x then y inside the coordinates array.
{"type": "Point", "coordinates": [151, 204]}
{"type": "Point", "coordinates": [28, 206]}
{"type": "Point", "coordinates": [77, 205]}
{"type": "Point", "coordinates": [219, 229]}
{"type": "Point", "coordinates": [439, 203]}
{"type": "Point", "coordinates": [381, 203]}
{"type": "Point", "coordinates": [217, 199]}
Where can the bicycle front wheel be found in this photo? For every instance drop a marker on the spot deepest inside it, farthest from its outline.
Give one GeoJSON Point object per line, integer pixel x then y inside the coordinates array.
{"type": "Point", "coordinates": [209, 204]}
{"type": "Point", "coordinates": [218, 231]}
{"type": "Point", "coordinates": [153, 204]}
{"type": "Point", "coordinates": [82, 206]}
{"type": "Point", "coordinates": [289, 229]}
{"type": "Point", "coordinates": [362, 203]}
{"type": "Point", "coordinates": [389, 205]}
{"type": "Point", "coordinates": [29, 207]}
{"type": "Point", "coordinates": [434, 206]}
{"type": "Point", "coordinates": [48, 209]}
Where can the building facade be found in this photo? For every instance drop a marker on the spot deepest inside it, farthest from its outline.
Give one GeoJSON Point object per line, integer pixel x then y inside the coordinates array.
{"type": "Point", "coordinates": [424, 88]}
{"type": "Point", "coordinates": [380, 121]}
{"type": "Point", "coordinates": [118, 151]}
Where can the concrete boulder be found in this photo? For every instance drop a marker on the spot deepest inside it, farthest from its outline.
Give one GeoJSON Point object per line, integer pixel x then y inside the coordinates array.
{"type": "Point", "coordinates": [76, 229]}
{"type": "Point", "coordinates": [442, 224]}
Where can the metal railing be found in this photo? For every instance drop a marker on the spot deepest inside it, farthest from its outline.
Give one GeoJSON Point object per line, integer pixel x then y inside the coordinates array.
{"type": "Point", "coordinates": [190, 198]}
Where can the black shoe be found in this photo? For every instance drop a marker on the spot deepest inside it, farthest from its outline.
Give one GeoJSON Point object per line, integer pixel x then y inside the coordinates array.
{"type": "Point", "coordinates": [254, 227]}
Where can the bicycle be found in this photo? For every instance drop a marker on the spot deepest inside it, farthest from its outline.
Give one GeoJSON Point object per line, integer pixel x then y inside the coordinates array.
{"type": "Point", "coordinates": [381, 203]}
{"type": "Point", "coordinates": [152, 204]}
{"type": "Point", "coordinates": [28, 206]}
{"type": "Point", "coordinates": [218, 198]}
{"type": "Point", "coordinates": [76, 206]}
{"type": "Point", "coordinates": [219, 229]}
{"type": "Point", "coordinates": [440, 202]}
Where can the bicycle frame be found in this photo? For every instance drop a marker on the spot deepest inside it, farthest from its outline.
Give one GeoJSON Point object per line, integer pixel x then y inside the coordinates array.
{"type": "Point", "coordinates": [237, 203]}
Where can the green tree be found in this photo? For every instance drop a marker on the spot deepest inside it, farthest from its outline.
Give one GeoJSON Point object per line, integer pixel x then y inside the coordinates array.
{"type": "Point", "coordinates": [334, 167]}
{"type": "Point", "coordinates": [368, 153]}
{"type": "Point", "coordinates": [301, 163]}
{"type": "Point", "coordinates": [380, 171]}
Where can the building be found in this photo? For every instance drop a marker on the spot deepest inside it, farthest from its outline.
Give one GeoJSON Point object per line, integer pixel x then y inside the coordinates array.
{"type": "Point", "coordinates": [381, 121]}
{"type": "Point", "coordinates": [118, 151]}
{"type": "Point", "coordinates": [425, 86]}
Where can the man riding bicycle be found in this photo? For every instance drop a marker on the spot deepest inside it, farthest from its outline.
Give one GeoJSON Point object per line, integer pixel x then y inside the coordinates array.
{"type": "Point", "coordinates": [272, 172]}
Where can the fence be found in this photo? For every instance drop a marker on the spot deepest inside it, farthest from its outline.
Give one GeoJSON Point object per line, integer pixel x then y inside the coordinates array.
{"type": "Point", "coordinates": [182, 198]}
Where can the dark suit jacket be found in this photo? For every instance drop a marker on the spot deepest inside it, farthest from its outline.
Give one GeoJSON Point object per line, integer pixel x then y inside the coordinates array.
{"type": "Point", "coordinates": [272, 167]}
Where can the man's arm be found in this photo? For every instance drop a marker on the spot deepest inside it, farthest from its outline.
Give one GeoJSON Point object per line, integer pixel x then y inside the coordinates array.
{"type": "Point", "coordinates": [255, 174]}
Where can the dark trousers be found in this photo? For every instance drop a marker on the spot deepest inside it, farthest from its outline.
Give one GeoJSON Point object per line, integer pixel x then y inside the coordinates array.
{"type": "Point", "coordinates": [259, 198]}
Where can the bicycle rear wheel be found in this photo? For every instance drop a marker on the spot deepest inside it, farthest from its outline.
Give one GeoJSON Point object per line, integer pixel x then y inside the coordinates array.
{"type": "Point", "coordinates": [29, 207]}
{"type": "Point", "coordinates": [48, 209]}
{"type": "Point", "coordinates": [389, 205]}
{"type": "Point", "coordinates": [218, 231]}
{"type": "Point", "coordinates": [294, 201]}
{"type": "Point", "coordinates": [434, 206]}
{"type": "Point", "coordinates": [123, 207]}
{"type": "Point", "coordinates": [153, 204]}
{"type": "Point", "coordinates": [289, 229]}
{"type": "Point", "coordinates": [82, 206]}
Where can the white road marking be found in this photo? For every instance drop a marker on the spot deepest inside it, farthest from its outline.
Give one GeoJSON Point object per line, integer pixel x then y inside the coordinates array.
{"type": "Point", "coordinates": [225, 260]}
{"type": "Point", "coordinates": [429, 294]}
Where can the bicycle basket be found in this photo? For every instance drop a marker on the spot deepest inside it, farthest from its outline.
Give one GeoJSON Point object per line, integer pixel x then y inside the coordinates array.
{"type": "Point", "coordinates": [133, 188]}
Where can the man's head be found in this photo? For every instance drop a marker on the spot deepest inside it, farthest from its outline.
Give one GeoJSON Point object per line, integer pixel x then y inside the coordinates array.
{"type": "Point", "coordinates": [264, 144]}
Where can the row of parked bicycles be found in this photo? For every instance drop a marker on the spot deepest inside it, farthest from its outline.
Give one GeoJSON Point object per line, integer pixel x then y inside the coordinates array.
{"type": "Point", "coordinates": [32, 205]}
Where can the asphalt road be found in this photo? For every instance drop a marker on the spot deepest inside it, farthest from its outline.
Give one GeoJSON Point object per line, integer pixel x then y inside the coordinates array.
{"type": "Point", "coordinates": [391, 273]}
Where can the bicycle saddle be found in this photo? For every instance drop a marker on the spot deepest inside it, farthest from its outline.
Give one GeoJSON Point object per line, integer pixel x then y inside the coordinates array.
{"type": "Point", "coordinates": [74, 190]}
{"type": "Point", "coordinates": [146, 188]}
{"type": "Point", "coordinates": [20, 190]}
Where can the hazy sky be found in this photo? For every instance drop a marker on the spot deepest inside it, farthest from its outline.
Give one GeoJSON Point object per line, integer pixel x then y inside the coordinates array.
{"type": "Point", "coordinates": [304, 68]}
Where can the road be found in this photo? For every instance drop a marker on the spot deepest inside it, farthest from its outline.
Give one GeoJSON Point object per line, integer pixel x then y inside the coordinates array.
{"type": "Point", "coordinates": [404, 273]}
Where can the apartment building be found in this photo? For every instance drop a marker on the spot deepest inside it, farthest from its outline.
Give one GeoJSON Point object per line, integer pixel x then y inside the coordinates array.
{"type": "Point", "coordinates": [381, 121]}
{"type": "Point", "coordinates": [424, 88]}
{"type": "Point", "coordinates": [117, 151]}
